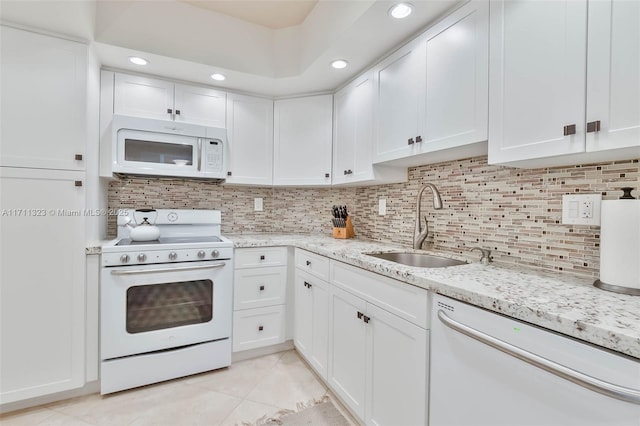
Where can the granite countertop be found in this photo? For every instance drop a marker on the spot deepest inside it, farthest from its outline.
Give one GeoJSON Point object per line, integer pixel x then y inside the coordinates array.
{"type": "Point", "coordinates": [556, 301]}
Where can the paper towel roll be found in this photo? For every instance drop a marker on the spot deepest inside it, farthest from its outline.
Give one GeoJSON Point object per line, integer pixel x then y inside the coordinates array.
{"type": "Point", "coordinates": [620, 243]}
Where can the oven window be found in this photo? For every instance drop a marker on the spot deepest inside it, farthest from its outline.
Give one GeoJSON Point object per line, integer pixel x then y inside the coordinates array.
{"type": "Point", "coordinates": [159, 306]}
{"type": "Point", "coordinates": [158, 152]}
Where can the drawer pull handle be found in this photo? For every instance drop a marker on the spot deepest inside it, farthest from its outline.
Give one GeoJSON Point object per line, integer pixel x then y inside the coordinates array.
{"type": "Point", "coordinates": [569, 130]}
{"type": "Point", "coordinates": [593, 126]}
{"type": "Point", "coordinates": [307, 285]}
{"type": "Point", "coordinates": [360, 315]}
{"type": "Point", "coordinates": [261, 288]}
{"type": "Point", "coordinates": [366, 319]}
{"type": "Point", "coordinates": [260, 328]}
{"type": "Point", "coordinates": [308, 263]}
{"type": "Point", "coordinates": [262, 257]}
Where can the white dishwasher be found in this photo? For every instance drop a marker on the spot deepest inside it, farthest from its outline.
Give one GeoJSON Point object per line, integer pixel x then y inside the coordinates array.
{"type": "Point", "coordinates": [473, 382]}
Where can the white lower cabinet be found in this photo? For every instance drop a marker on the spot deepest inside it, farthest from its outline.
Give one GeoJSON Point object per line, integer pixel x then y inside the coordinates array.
{"type": "Point", "coordinates": [42, 312]}
{"type": "Point", "coordinates": [259, 299]}
{"type": "Point", "coordinates": [311, 328]}
{"type": "Point", "coordinates": [367, 336]}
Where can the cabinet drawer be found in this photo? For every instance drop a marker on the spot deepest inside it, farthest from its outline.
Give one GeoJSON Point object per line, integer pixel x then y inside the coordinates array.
{"type": "Point", "coordinates": [260, 256]}
{"type": "Point", "coordinates": [404, 300]}
{"type": "Point", "coordinates": [312, 263]}
{"type": "Point", "coordinates": [255, 328]}
{"type": "Point", "coordinates": [259, 287]}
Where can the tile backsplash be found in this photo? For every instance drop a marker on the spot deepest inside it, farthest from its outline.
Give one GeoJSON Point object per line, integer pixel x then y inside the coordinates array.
{"type": "Point", "coordinates": [516, 213]}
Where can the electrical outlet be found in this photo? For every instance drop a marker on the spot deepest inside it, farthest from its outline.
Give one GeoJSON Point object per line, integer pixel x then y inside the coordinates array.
{"type": "Point", "coordinates": [258, 204]}
{"type": "Point", "coordinates": [583, 209]}
{"type": "Point", "coordinates": [382, 206]}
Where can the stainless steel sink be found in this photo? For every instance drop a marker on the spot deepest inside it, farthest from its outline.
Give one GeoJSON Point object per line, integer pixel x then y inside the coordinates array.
{"type": "Point", "coordinates": [421, 260]}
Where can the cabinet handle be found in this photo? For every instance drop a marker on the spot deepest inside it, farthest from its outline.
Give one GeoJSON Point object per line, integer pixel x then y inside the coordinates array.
{"type": "Point", "coordinates": [418, 139]}
{"type": "Point", "coordinates": [228, 173]}
{"type": "Point", "coordinates": [169, 111]}
{"type": "Point", "coordinates": [360, 315]}
{"type": "Point", "coordinates": [327, 175]}
{"type": "Point", "coordinates": [79, 156]}
{"type": "Point", "coordinates": [78, 183]}
{"type": "Point", "coordinates": [410, 141]}
{"type": "Point", "coordinates": [593, 126]}
{"type": "Point", "coordinates": [177, 112]}
{"type": "Point", "coordinates": [262, 257]}
{"type": "Point", "coordinates": [345, 172]}
{"type": "Point", "coordinates": [260, 328]}
{"type": "Point", "coordinates": [261, 288]}
{"type": "Point", "coordinates": [308, 263]}
{"type": "Point", "coordinates": [349, 171]}
{"type": "Point", "coordinates": [570, 130]}
{"type": "Point", "coordinates": [366, 319]}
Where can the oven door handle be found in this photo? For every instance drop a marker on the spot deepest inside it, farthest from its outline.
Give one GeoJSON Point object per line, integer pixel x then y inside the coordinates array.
{"type": "Point", "coordinates": [153, 271]}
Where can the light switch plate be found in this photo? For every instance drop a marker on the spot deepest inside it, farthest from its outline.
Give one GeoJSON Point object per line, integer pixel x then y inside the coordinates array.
{"type": "Point", "coordinates": [382, 206]}
{"type": "Point", "coordinates": [582, 209]}
{"type": "Point", "coordinates": [258, 204]}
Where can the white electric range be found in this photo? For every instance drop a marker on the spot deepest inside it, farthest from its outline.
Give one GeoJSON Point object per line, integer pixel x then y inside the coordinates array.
{"type": "Point", "coordinates": [165, 305]}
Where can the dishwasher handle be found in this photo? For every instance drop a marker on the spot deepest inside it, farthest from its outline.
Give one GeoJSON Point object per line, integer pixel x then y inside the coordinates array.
{"type": "Point", "coordinates": [581, 379]}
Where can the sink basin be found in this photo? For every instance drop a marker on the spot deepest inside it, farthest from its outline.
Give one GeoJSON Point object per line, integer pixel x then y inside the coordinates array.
{"type": "Point", "coordinates": [421, 260]}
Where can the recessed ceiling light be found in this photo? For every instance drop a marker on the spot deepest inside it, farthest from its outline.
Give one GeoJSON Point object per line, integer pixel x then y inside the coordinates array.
{"type": "Point", "coordinates": [339, 64]}
{"type": "Point", "coordinates": [401, 10]}
{"type": "Point", "coordinates": [138, 61]}
{"type": "Point", "coordinates": [218, 77]}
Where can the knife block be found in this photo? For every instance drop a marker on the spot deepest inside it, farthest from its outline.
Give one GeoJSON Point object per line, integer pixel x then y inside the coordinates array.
{"type": "Point", "coordinates": [346, 232]}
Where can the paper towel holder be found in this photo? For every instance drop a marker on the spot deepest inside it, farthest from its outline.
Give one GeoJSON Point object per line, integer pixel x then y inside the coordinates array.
{"type": "Point", "coordinates": [626, 195]}
{"type": "Point", "coordinates": [617, 288]}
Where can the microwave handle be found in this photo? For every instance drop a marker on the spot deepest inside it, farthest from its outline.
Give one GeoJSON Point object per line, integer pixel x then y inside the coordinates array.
{"type": "Point", "coordinates": [199, 154]}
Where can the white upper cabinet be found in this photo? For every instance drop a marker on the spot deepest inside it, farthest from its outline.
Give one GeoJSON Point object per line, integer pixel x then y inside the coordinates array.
{"type": "Point", "coordinates": [353, 137]}
{"type": "Point", "coordinates": [613, 75]}
{"type": "Point", "coordinates": [250, 137]}
{"type": "Point", "coordinates": [396, 103]}
{"type": "Point", "coordinates": [456, 110]}
{"type": "Point", "coordinates": [163, 100]}
{"type": "Point", "coordinates": [539, 72]}
{"type": "Point", "coordinates": [432, 94]}
{"type": "Point", "coordinates": [43, 109]}
{"type": "Point", "coordinates": [302, 141]}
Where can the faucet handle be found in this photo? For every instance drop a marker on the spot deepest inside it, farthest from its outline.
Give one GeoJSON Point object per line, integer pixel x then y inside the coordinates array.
{"type": "Point", "coordinates": [486, 255]}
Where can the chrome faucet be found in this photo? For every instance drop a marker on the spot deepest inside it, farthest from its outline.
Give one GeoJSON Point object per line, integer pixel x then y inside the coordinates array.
{"type": "Point", "coordinates": [486, 255]}
{"type": "Point", "coordinates": [420, 235]}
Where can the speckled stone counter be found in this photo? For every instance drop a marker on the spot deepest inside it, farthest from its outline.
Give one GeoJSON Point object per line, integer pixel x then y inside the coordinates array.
{"type": "Point", "coordinates": [562, 303]}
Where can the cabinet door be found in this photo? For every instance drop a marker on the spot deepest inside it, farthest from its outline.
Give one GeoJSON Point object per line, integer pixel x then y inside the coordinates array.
{"type": "Point", "coordinates": [399, 91]}
{"type": "Point", "coordinates": [537, 78]}
{"type": "Point", "coordinates": [320, 334]}
{"type": "Point", "coordinates": [42, 313]}
{"type": "Point", "coordinates": [457, 79]}
{"type": "Point", "coordinates": [302, 141]}
{"type": "Point", "coordinates": [613, 74]}
{"type": "Point", "coordinates": [347, 353]}
{"type": "Point", "coordinates": [43, 105]}
{"type": "Point", "coordinates": [353, 131]}
{"type": "Point", "coordinates": [200, 105]}
{"type": "Point", "coordinates": [250, 136]}
{"type": "Point", "coordinates": [303, 314]}
{"type": "Point", "coordinates": [396, 360]}
{"type": "Point", "coordinates": [143, 97]}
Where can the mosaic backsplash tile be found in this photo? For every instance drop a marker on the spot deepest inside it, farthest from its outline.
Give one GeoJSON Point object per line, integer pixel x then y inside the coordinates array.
{"type": "Point", "coordinates": [514, 212]}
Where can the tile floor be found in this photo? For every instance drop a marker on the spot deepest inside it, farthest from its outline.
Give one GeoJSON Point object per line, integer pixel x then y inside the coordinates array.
{"type": "Point", "coordinates": [244, 392]}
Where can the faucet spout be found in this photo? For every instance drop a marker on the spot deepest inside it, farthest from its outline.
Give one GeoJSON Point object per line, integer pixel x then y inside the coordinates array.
{"type": "Point", "coordinates": [419, 235]}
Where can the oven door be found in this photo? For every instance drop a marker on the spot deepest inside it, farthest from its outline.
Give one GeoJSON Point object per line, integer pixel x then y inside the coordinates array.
{"type": "Point", "coordinates": [146, 308]}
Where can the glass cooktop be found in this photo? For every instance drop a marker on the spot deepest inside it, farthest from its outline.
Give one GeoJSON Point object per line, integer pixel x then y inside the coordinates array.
{"type": "Point", "coordinates": [170, 240]}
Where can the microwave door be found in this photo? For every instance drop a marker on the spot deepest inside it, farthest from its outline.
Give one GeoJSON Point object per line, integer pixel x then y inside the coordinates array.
{"type": "Point", "coordinates": [157, 153]}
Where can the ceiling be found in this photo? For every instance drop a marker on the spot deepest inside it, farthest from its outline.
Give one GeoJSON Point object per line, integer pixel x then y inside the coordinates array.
{"type": "Point", "coordinates": [272, 48]}
{"type": "Point", "coordinates": [268, 13]}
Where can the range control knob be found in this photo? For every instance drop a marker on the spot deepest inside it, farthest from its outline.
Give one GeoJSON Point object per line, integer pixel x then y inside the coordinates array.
{"type": "Point", "coordinates": [215, 253]}
{"type": "Point", "coordinates": [201, 254]}
{"type": "Point", "coordinates": [173, 255]}
{"type": "Point", "coordinates": [142, 257]}
{"type": "Point", "coordinates": [124, 258]}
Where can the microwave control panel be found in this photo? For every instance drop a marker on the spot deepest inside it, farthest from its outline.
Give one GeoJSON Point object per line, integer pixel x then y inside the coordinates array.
{"type": "Point", "coordinates": [213, 155]}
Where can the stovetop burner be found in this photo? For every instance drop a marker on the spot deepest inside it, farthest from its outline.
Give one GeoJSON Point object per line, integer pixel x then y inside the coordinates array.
{"type": "Point", "coordinates": [170, 240]}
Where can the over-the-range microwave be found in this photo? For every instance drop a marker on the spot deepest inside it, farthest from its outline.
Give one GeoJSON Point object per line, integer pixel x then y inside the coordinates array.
{"type": "Point", "coordinates": [145, 146]}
